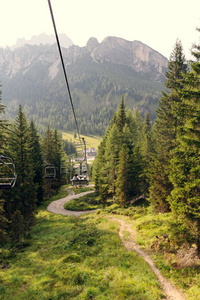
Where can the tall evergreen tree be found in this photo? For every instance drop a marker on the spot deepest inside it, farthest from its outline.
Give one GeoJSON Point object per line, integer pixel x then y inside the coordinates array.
{"type": "Point", "coordinates": [106, 166]}
{"type": "Point", "coordinates": [122, 181]}
{"type": "Point", "coordinates": [185, 163]}
{"type": "Point", "coordinates": [138, 127]}
{"type": "Point", "coordinates": [100, 173]}
{"type": "Point", "coordinates": [38, 162]}
{"type": "Point", "coordinates": [165, 132]}
{"type": "Point", "coordinates": [23, 198]}
{"type": "Point", "coordinates": [48, 146]}
{"type": "Point", "coordinates": [121, 116]}
{"type": "Point", "coordinates": [112, 155]}
{"type": "Point", "coordinates": [58, 155]}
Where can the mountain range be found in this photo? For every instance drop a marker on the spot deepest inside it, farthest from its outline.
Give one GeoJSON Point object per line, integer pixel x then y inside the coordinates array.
{"type": "Point", "coordinates": [98, 75]}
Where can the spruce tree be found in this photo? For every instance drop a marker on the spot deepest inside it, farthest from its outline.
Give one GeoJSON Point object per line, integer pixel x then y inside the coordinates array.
{"type": "Point", "coordinates": [112, 156]}
{"type": "Point", "coordinates": [48, 146]}
{"type": "Point", "coordinates": [38, 162]}
{"type": "Point", "coordinates": [120, 134]}
{"type": "Point", "coordinates": [185, 162]}
{"type": "Point", "coordinates": [23, 197]}
{"type": "Point", "coordinates": [58, 154]}
{"type": "Point", "coordinates": [100, 173]}
{"type": "Point", "coordinates": [3, 223]}
{"type": "Point", "coordinates": [122, 181]}
{"type": "Point", "coordinates": [121, 116]}
{"type": "Point", "coordinates": [165, 130]}
{"type": "Point", "coordinates": [138, 127]}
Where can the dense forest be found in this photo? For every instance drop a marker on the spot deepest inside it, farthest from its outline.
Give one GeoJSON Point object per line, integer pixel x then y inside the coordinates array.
{"type": "Point", "coordinates": [25, 158]}
{"type": "Point", "coordinates": [160, 162]}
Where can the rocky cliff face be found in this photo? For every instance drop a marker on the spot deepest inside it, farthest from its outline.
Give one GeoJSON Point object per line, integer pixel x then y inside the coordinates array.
{"type": "Point", "coordinates": [135, 55]}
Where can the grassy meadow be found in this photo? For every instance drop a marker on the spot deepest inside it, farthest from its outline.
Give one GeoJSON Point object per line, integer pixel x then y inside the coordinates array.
{"type": "Point", "coordinates": [83, 258]}
{"type": "Point", "coordinates": [91, 141]}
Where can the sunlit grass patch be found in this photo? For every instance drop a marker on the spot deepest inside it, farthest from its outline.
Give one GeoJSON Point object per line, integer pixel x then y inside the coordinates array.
{"type": "Point", "coordinates": [87, 202]}
{"type": "Point", "coordinates": [77, 258]}
{"type": "Point", "coordinates": [82, 189]}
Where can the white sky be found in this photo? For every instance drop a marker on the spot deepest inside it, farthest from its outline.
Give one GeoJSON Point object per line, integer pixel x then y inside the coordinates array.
{"type": "Point", "coordinates": [157, 23]}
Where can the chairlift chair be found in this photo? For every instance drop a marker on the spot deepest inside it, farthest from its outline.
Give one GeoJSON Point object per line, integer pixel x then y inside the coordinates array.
{"type": "Point", "coordinates": [82, 170]}
{"type": "Point", "coordinates": [63, 169]}
{"type": "Point", "coordinates": [8, 175]}
{"type": "Point", "coordinates": [50, 171]}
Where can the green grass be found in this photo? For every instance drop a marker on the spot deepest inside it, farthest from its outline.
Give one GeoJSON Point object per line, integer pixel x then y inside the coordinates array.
{"type": "Point", "coordinates": [91, 141]}
{"type": "Point", "coordinates": [167, 256]}
{"type": "Point", "coordinates": [87, 202]}
{"type": "Point", "coordinates": [83, 258]}
{"type": "Point", "coordinates": [82, 189]}
{"type": "Point", "coordinates": [75, 258]}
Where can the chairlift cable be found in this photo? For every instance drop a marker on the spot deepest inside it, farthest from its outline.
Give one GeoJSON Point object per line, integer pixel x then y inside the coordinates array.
{"type": "Point", "coordinates": [63, 66]}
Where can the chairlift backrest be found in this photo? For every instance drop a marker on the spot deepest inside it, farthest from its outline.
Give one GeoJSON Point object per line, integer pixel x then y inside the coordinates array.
{"type": "Point", "coordinates": [63, 169]}
{"type": "Point", "coordinates": [7, 173]}
{"type": "Point", "coordinates": [50, 171]}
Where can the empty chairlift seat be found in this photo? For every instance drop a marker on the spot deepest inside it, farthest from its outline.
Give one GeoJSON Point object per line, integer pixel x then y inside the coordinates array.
{"type": "Point", "coordinates": [8, 175]}
{"type": "Point", "coordinates": [50, 171]}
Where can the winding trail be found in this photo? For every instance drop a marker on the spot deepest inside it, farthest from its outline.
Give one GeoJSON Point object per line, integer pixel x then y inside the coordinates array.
{"type": "Point", "coordinates": [170, 290]}
{"type": "Point", "coordinates": [57, 207]}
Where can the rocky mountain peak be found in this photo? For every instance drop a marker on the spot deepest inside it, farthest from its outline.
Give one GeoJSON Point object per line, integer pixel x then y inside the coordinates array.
{"type": "Point", "coordinates": [92, 44]}
{"type": "Point", "coordinates": [44, 39]}
{"type": "Point", "coordinates": [134, 54]}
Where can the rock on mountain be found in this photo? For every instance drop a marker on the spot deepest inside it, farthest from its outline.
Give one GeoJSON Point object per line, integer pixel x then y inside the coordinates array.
{"type": "Point", "coordinates": [44, 39]}
{"type": "Point", "coordinates": [99, 74]}
{"type": "Point", "coordinates": [135, 55]}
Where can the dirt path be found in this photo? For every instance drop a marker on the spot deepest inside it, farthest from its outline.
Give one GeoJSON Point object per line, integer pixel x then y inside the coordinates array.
{"type": "Point", "coordinates": [57, 207]}
{"type": "Point", "coordinates": [171, 292]}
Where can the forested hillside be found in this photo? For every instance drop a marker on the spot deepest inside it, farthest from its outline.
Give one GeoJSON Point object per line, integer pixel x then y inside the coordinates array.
{"type": "Point", "coordinates": [25, 163]}
{"type": "Point", "coordinates": [98, 75]}
{"type": "Point", "coordinates": [160, 162]}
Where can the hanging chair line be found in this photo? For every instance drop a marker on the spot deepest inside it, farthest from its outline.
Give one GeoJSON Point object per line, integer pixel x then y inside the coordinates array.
{"type": "Point", "coordinates": [63, 66]}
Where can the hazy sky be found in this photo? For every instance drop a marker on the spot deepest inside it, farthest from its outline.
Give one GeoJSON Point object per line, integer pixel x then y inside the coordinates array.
{"type": "Point", "coordinates": [157, 23]}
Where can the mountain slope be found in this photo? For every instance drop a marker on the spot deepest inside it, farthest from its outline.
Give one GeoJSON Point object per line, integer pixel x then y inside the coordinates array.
{"type": "Point", "coordinates": [99, 74]}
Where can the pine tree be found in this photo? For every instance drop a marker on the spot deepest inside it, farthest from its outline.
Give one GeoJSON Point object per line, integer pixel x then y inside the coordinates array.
{"type": "Point", "coordinates": [121, 116]}
{"type": "Point", "coordinates": [23, 198]}
{"type": "Point", "coordinates": [58, 155]}
{"type": "Point", "coordinates": [120, 134]}
{"type": "Point", "coordinates": [57, 152]}
{"type": "Point", "coordinates": [122, 181]}
{"type": "Point", "coordinates": [48, 146]}
{"type": "Point", "coordinates": [138, 127]}
{"type": "Point", "coordinates": [38, 162]}
{"type": "Point", "coordinates": [165, 130]}
{"type": "Point", "coordinates": [100, 173]}
{"type": "Point", "coordinates": [185, 162]}
{"type": "Point", "coordinates": [147, 150]}
{"type": "Point", "coordinates": [112, 155]}
{"type": "Point", "coordinates": [3, 224]}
